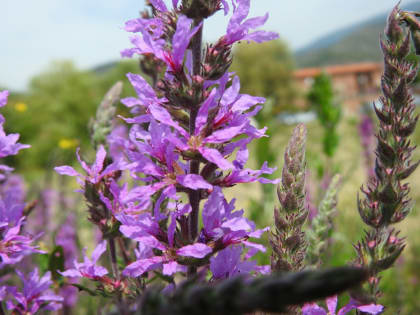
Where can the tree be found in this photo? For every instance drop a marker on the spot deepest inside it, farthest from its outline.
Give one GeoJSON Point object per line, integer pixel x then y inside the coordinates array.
{"type": "Point", "coordinates": [270, 76]}
{"type": "Point", "coordinates": [321, 98]}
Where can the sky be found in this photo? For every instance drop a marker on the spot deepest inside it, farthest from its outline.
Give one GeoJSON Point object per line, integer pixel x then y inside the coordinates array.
{"type": "Point", "coordinates": [33, 33]}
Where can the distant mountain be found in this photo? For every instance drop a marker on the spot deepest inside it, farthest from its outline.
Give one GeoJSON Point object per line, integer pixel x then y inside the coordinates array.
{"type": "Point", "coordinates": [105, 67]}
{"type": "Point", "coordinates": [356, 43]}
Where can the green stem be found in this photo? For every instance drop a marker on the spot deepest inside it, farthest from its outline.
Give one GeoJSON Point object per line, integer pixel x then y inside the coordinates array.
{"type": "Point", "coordinates": [194, 167]}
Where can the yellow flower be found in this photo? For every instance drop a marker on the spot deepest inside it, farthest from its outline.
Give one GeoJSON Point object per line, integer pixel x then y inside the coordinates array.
{"type": "Point", "coordinates": [21, 107]}
{"type": "Point", "coordinates": [66, 143]}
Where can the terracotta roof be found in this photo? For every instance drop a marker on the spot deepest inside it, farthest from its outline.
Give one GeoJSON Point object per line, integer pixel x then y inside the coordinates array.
{"type": "Point", "coordinates": [338, 69]}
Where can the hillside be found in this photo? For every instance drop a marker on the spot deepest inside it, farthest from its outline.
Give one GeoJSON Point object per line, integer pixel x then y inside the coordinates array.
{"type": "Point", "coordinates": [338, 47]}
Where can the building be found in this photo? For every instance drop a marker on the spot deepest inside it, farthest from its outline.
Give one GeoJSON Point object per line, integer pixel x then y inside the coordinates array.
{"type": "Point", "coordinates": [355, 84]}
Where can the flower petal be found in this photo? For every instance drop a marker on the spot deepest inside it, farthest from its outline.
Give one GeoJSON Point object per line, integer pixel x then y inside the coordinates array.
{"type": "Point", "coordinates": [193, 181]}
{"type": "Point", "coordinates": [139, 267]}
{"type": "Point", "coordinates": [198, 250]}
{"type": "Point", "coordinates": [214, 156]}
{"type": "Point", "coordinates": [66, 170]}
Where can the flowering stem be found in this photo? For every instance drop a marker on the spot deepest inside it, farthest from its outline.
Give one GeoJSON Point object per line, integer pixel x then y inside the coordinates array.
{"type": "Point", "coordinates": [194, 196]}
{"type": "Point", "coordinates": [196, 47]}
{"type": "Point", "coordinates": [123, 250]}
{"type": "Point", "coordinates": [113, 256]}
{"type": "Point", "coordinates": [288, 240]}
{"type": "Point", "coordinates": [386, 196]}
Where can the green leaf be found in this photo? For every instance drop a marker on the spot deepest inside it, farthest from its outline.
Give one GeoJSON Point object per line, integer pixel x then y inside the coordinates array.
{"type": "Point", "coordinates": [56, 261]}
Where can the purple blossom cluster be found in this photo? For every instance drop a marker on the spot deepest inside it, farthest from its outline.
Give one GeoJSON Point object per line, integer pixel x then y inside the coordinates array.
{"type": "Point", "coordinates": [15, 244]}
{"type": "Point", "coordinates": [188, 140]}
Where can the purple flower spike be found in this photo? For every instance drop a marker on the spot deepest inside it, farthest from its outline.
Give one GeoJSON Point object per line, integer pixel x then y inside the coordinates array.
{"type": "Point", "coordinates": [88, 267]}
{"type": "Point", "coordinates": [238, 29]}
{"type": "Point", "coordinates": [36, 294]}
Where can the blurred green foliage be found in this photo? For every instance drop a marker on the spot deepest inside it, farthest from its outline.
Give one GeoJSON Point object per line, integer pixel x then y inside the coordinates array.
{"type": "Point", "coordinates": [266, 70]}
{"type": "Point", "coordinates": [321, 98]}
{"type": "Point", "coordinates": [53, 115]}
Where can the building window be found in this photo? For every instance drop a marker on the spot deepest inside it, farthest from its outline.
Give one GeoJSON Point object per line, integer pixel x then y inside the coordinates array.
{"type": "Point", "coordinates": [364, 82]}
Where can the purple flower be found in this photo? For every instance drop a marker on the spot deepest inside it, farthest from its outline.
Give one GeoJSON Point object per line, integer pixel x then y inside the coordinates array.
{"type": "Point", "coordinates": [13, 246]}
{"type": "Point", "coordinates": [8, 143]}
{"type": "Point", "coordinates": [156, 158]}
{"type": "Point", "coordinates": [146, 231]}
{"type": "Point", "coordinates": [11, 200]}
{"type": "Point", "coordinates": [3, 101]}
{"type": "Point", "coordinates": [146, 98]}
{"type": "Point", "coordinates": [224, 226]}
{"type": "Point", "coordinates": [228, 263]}
{"type": "Point", "coordinates": [117, 141]}
{"type": "Point", "coordinates": [167, 260]}
{"type": "Point", "coordinates": [151, 41]}
{"type": "Point", "coordinates": [118, 204]}
{"type": "Point", "coordinates": [3, 98]}
{"type": "Point", "coordinates": [96, 172]}
{"type": "Point", "coordinates": [36, 294]}
{"type": "Point", "coordinates": [245, 175]}
{"type": "Point", "coordinates": [88, 267]}
{"type": "Point", "coordinates": [238, 29]}
{"type": "Point", "coordinates": [314, 309]}
{"type": "Point", "coordinates": [231, 121]}
{"type": "Point", "coordinates": [180, 41]}
{"type": "Point", "coordinates": [161, 6]}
